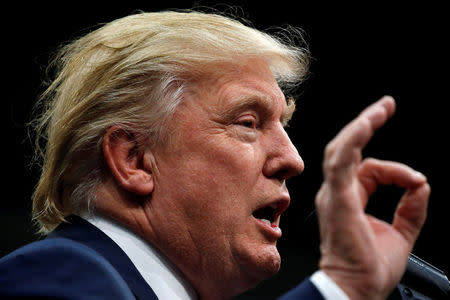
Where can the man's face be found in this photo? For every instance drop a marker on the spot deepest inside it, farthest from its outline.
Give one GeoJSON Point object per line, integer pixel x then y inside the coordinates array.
{"type": "Point", "coordinates": [220, 179]}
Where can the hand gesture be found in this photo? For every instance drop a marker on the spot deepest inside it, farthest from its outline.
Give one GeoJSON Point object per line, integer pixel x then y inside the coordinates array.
{"type": "Point", "coordinates": [365, 256]}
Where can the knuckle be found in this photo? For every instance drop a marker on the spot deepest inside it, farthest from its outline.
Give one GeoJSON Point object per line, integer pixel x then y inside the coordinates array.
{"type": "Point", "coordinates": [320, 197]}
{"type": "Point", "coordinates": [330, 149]}
{"type": "Point", "coordinates": [369, 161]}
{"type": "Point", "coordinates": [367, 166]}
{"type": "Point", "coordinates": [365, 123]}
{"type": "Point", "coordinates": [332, 165]}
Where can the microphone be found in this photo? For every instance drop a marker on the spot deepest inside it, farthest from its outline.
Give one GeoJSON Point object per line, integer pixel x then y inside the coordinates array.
{"type": "Point", "coordinates": [422, 281]}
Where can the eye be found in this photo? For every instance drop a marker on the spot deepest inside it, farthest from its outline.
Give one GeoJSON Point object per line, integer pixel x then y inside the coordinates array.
{"type": "Point", "coordinates": [248, 122]}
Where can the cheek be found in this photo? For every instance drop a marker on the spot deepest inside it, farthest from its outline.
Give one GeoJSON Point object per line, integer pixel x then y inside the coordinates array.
{"type": "Point", "coordinates": [216, 193]}
{"type": "Point", "coordinates": [223, 164]}
{"type": "Point", "coordinates": [214, 181]}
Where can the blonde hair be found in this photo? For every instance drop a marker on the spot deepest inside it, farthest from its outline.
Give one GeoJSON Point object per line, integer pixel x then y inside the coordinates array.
{"type": "Point", "coordinates": [132, 72]}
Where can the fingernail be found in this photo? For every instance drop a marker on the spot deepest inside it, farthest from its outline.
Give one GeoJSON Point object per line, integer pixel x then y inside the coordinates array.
{"type": "Point", "coordinates": [388, 97]}
{"type": "Point", "coordinates": [420, 177]}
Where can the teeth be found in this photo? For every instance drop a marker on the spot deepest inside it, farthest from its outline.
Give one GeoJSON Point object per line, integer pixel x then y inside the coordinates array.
{"type": "Point", "coordinates": [266, 221]}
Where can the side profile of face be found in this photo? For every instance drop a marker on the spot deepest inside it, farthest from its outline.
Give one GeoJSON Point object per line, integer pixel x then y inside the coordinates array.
{"type": "Point", "coordinates": [220, 180]}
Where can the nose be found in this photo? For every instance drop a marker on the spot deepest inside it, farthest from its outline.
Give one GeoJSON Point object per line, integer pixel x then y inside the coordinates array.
{"type": "Point", "coordinates": [283, 160]}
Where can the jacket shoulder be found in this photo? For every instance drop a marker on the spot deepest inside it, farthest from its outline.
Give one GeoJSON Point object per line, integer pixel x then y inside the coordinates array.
{"type": "Point", "coordinates": [61, 268]}
{"type": "Point", "coordinates": [305, 290]}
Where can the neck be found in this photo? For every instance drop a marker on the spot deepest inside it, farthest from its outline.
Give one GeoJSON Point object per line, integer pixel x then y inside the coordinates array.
{"type": "Point", "coordinates": [138, 216]}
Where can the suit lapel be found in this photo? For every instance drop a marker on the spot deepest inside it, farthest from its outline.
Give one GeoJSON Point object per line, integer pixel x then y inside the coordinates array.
{"type": "Point", "coordinates": [79, 230]}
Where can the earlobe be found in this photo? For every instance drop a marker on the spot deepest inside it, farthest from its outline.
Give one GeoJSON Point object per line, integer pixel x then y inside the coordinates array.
{"type": "Point", "coordinates": [127, 162]}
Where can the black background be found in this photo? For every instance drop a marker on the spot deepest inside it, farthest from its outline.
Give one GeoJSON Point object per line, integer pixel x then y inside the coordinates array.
{"type": "Point", "coordinates": [360, 53]}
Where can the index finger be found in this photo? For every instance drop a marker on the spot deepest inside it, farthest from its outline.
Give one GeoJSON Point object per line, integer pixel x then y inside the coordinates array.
{"type": "Point", "coordinates": [343, 153]}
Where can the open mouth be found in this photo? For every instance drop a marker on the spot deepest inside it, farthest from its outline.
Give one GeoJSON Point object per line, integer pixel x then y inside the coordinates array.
{"type": "Point", "coordinates": [270, 213]}
{"type": "Point", "coordinates": [266, 214]}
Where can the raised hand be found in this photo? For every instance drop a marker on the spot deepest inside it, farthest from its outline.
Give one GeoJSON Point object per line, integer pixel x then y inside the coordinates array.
{"type": "Point", "coordinates": [365, 256]}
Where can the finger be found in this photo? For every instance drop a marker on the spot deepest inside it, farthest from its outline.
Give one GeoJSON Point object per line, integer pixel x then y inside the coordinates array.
{"type": "Point", "coordinates": [373, 172]}
{"type": "Point", "coordinates": [343, 153]}
{"type": "Point", "coordinates": [411, 212]}
{"type": "Point", "coordinates": [386, 104]}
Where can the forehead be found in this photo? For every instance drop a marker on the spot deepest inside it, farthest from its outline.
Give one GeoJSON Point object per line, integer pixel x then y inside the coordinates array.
{"type": "Point", "coordinates": [248, 84]}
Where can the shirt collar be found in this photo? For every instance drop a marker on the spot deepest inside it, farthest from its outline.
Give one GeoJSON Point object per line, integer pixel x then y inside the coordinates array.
{"type": "Point", "coordinates": [163, 277]}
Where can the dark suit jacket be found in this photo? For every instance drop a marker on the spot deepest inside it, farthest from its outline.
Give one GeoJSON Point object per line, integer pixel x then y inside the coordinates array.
{"type": "Point", "coordinates": [78, 261]}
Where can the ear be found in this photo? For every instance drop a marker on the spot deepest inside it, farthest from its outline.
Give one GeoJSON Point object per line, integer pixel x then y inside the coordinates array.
{"type": "Point", "coordinates": [128, 165]}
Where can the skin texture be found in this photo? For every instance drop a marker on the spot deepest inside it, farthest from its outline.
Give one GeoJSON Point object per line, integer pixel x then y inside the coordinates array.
{"type": "Point", "coordinates": [194, 197]}
{"type": "Point", "coordinates": [228, 155]}
{"type": "Point", "coordinates": [366, 256]}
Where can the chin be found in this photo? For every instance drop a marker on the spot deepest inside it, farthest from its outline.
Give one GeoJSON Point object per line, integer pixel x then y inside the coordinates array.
{"type": "Point", "coordinates": [263, 263]}
{"type": "Point", "coordinates": [270, 264]}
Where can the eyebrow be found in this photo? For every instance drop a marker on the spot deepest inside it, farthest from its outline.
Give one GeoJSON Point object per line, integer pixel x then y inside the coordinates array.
{"type": "Point", "coordinates": [258, 101]}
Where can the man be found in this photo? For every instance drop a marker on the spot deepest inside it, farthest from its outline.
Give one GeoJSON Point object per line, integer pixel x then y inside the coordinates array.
{"type": "Point", "coordinates": [165, 167]}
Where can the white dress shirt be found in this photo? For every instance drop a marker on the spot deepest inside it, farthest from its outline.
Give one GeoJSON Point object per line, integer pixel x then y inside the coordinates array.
{"type": "Point", "coordinates": [161, 275]}
{"type": "Point", "coordinates": [164, 278]}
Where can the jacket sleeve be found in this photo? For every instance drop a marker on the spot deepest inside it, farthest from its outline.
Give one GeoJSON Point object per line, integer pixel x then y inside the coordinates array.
{"type": "Point", "coordinates": [60, 269]}
{"type": "Point", "coordinates": [305, 290]}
